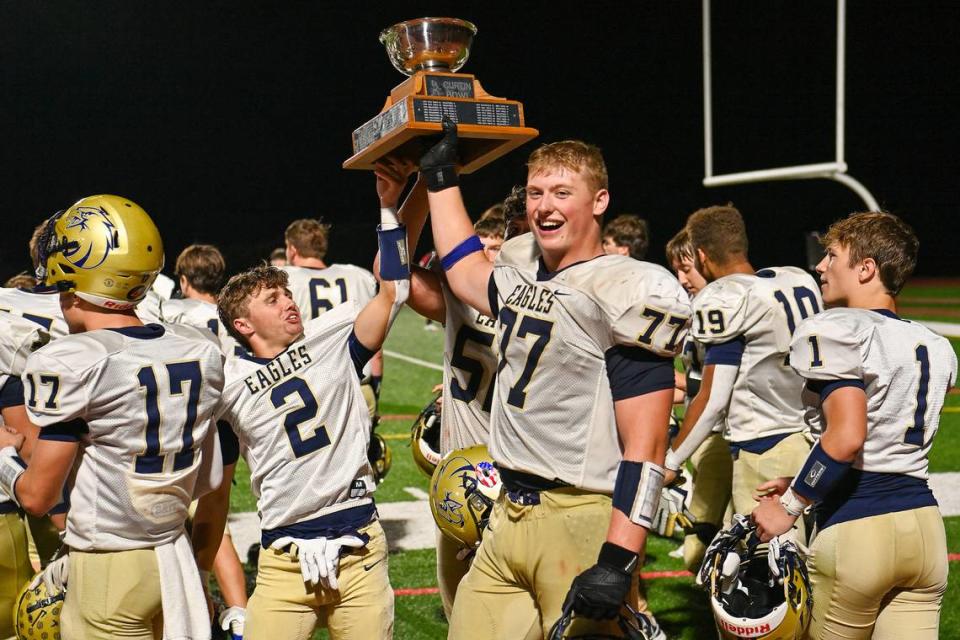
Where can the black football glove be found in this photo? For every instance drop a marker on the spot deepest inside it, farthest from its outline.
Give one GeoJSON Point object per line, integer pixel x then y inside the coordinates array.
{"type": "Point", "coordinates": [438, 164]}
{"type": "Point", "coordinates": [601, 590]}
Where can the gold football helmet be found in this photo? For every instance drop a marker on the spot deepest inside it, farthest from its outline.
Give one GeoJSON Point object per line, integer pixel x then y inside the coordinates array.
{"type": "Point", "coordinates": [463, 488]}
{"type": "Point", "coordinates": [378, 453]}
{"type": "Point", "coordinates": [425, 438]}
{"type": "Point", "coordinates": [36, 614]}
{"type": "Point", "coordinates": [756, 595]}
{"type": "Point", "coordinates": [105, 248]}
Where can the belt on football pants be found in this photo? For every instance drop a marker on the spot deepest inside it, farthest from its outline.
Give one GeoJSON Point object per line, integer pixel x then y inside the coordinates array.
{"type": "Point", "coordinates": [8, 507]}
{"type": "Point", "coordinates": [524, 488]}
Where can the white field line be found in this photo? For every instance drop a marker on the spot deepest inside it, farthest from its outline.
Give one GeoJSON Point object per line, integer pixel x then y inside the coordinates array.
{"type": "Point", "coordinates": [411, 360]}
{"type": "Point", "coordinates": [949, 329]}
{"type": "Point", "coordinates": [417, 493]}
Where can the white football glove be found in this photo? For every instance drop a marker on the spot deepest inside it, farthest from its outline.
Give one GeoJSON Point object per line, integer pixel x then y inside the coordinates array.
{"type": "Point", "coordinates": [54, 575]}
{"type": "Point", "coordinates": [319, 557]}
{"type": "Point", "coordinates": [672, 511]}
{"type": "Point", "coordinates": [232, 619]}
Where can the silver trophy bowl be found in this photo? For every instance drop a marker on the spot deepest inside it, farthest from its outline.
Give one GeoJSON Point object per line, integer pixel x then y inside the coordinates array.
{"type": "Point", "coordinates": [428, 44]}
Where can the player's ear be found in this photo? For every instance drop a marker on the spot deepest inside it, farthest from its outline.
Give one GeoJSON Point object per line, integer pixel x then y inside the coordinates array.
{"type": "Point", "coordinates": [700, 261]}
{"type": "Point", "coordinates": [601, 200]}
{"type": "Point", "coordinates": [867, 270]}
{"type": "Point", "coordinates": [243, 327]}
{"type": "Point", "coordinates": [291, 253]}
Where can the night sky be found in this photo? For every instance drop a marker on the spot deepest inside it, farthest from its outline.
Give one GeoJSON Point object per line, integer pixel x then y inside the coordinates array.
{"type": "Point", "coordinates": [227, 120]}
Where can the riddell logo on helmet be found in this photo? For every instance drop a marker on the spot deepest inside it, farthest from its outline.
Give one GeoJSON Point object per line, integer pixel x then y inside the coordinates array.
{"type": "Point", "coordinates": [746, 632]}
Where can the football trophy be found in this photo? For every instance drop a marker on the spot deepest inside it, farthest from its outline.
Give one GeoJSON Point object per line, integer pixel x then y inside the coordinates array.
{"type": "Point", "coordinates": [431, 51]}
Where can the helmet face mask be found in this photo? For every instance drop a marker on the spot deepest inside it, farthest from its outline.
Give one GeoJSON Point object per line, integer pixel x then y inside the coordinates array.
{"type": "Point", "coordinates": [463, 488]}
{"type": "Point", "coordinates": [425, 438]}
{"type": "Point", "coordinates": [104, 248]}
{"type": "Point", "coordinates": [756, 595]}
{"type": "Point", "coordinates": [378, 453]}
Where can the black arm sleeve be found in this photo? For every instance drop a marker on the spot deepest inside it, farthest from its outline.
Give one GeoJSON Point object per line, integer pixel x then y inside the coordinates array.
{"type": "Point", "coordinates": [634, 371]}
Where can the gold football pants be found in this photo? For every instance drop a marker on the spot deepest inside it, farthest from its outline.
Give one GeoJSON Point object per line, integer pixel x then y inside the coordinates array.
{"type": "Point", "coordinates": [112, 594]}
{"type": "Point", "coordinates": [881, 577]}
{"type": "Point", "coordinates": [283, 607]}
{"type": "Point", "coordinates": [750, 470]}
{"type": "Point", "coordinates": [712, 480]}
{"type": "Point", "coordinates": [522, 571]}
{"type": "Point", "coordinates": [450, 571]}
{"type": "Point", "coordinates": [15, 569]}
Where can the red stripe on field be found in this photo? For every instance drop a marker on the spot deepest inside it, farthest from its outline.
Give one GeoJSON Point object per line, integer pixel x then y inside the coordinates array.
{"type": "Point", "coordinates": [647, 575]}
{"type": "Point", "coordinates": [424, 591]}
{"type": "Point", "coordinates": [655, 575]}
{"type": "Point", "coordinates": [398, 416]}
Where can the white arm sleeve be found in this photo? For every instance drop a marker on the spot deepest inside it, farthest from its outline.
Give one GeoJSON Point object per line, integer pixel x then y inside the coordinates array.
{"type": "Point", "coordinates": [721, 389]}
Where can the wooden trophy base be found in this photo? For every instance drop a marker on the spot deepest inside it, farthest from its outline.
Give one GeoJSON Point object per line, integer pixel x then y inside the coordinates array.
{"type": "Point", "coordinates": [488, 127]}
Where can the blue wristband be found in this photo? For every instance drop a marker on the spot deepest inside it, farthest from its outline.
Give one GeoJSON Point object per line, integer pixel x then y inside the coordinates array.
{"type": "Point", "coordinates": [394, 261]}
{"type": "Point", "coordinates": [820, 473]}
{"type": "Point", "coordinates": [461, 251]}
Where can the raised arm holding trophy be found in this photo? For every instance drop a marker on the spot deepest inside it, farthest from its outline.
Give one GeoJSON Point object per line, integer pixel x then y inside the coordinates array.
{"type": "Point", "coordinates": [431, 51]}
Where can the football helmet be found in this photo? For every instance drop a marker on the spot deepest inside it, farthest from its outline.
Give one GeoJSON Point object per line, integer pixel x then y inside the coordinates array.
{"type": "Point", "coordinates": [463, 488]}
{"type": "Point", "coordinates": [380, 457]}
{"type": "Point", "coordinates": [105, 248]}
{"type": "Point", "coordinates": [425, 438]}
{"type": "Point", "coordinates": [633, 625]}
{"type": "Point", "coordinates": [756, 595]}
{"type": "Point", "coordinates": [36, 613]}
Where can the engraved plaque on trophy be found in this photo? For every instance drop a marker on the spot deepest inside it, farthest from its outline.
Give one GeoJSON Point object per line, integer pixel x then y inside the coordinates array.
{"type": "Point", "coordinates": [431, 51]}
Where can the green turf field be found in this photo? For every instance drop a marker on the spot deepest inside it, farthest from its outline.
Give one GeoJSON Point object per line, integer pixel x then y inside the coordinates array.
{"type": "Point", "coordinates": [679, 605]}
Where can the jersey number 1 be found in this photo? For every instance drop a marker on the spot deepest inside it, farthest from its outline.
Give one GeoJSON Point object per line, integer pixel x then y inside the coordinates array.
{"type": "Point", "coordinates": [151, 461]}
{"type": "Point", "coordinates": [915, 433]}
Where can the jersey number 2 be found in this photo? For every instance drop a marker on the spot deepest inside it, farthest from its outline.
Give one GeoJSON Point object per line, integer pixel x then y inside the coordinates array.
{"type": "Point", "coordinates": [293, 419]}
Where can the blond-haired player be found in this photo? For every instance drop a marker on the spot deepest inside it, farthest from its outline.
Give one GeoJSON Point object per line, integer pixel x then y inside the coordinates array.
{"type": "Point", "coordinates": [711, 465]}
{"type": "Point", "coordinates": [583, 396]}
{"type": "Point", "coordinates": [139, 399]}
{"type": "Point", "coordinates": [746, 318]}
{"type": "Point", "coordinates": [875, 386]}
{"type": "Point", "coordinates": [297, 409]}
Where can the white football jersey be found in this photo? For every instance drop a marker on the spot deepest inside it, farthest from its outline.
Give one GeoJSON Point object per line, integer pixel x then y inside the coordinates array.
{"type": "Point", "coordinates": [41, 308]}
{"type": "Point", "coordinates": [318, 290]}
{"type": "Point", "coordinates": [553, 415]}
{"type": "Point", "coordinates": [302, 424]}
{"type": "Point", "coordinates": [199, 314]}
{"type": "Point", "coordinates": [141, 400]}
{"type": "Point", "coordinates": [469, 372]}
{"type": "Point", "coordinates": [762, 309]}
{"type": "Point", "coordinates": [148, 310]}
{"type": "Point", "coordinates": [906, 370]}
{"type": "Point", "coordinates": [18, 339]}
